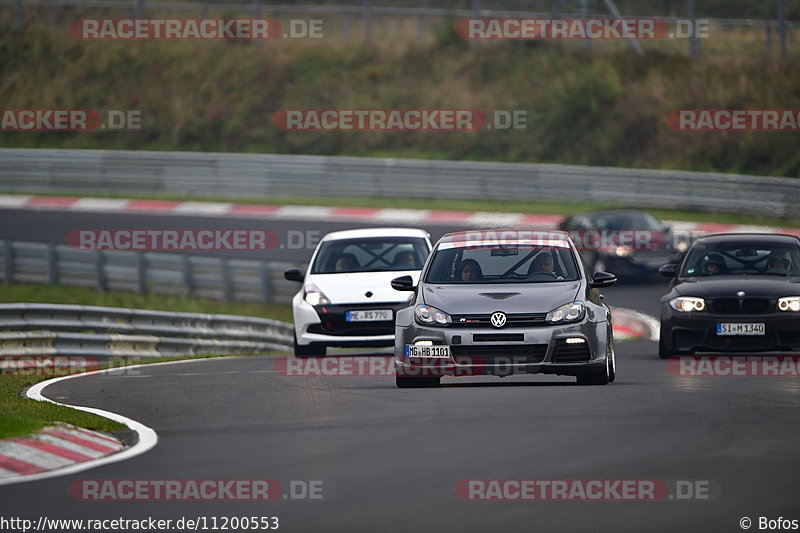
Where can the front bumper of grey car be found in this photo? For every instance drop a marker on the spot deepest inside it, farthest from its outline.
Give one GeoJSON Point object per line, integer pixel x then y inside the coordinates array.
{"type": "Point", "coordinates": [565, 349]}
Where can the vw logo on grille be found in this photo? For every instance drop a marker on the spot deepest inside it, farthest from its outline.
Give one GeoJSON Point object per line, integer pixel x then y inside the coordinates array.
{"type": "Point", "coordinates": [498, 319]}
{"type": "Point", "coordinates": [741, 293]}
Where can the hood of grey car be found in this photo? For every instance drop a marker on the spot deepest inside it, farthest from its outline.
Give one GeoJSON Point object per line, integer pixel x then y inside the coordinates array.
{"type": "Point", "coordinates": [511, 298]}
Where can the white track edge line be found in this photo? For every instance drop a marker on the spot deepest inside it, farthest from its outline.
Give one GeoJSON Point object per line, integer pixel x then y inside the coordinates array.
{"type": "Point", "coordinates": [147, 436]}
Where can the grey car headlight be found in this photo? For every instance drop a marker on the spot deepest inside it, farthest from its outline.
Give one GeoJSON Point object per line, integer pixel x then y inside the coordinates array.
{"type": "Point", "coordinates": [686, 304]}
{"type": "Point", "coordinates": [789, 303]}
{"type": "Point", "coordinates": [430, 316]}
{"type": "Point", "coordinates": [571, 312]}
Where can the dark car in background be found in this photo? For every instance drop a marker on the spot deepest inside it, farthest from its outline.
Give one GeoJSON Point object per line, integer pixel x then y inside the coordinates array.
{"type": "Point", "coordinates": [630, 243]}
{"type": "Point", "coordinates": [733, 293]}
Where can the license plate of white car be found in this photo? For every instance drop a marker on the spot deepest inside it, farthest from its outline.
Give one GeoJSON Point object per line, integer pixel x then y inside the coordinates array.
{"type": "Point", "coordinates": [439, 350]}
{"type": "Point", "coordinates": [740, 328]}
{"type": "Point", "coordinates": [373, 315]}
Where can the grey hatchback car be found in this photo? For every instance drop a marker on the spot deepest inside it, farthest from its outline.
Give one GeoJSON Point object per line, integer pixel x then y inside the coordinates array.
{"type": "Point", "coordinates": [502, 302]}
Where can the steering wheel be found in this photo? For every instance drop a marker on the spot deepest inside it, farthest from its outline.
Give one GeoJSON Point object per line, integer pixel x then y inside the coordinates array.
{"type": "Point", "coordinates": [543, 273]}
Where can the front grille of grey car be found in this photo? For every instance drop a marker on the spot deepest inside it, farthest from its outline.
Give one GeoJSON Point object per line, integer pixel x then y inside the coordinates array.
{"type": "Point", "coordinates": [498, 337]}
{"type": "Point", "coordinates": [513, 320]}
{"type": "Point", "coordinates": [498, 354]}
{"type": "Point", "coordinates": [741, 306]}
{"type": "Point", "coordinates": [571, 353]}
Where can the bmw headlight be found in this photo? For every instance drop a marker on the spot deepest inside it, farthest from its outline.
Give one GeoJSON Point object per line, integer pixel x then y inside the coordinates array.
{"type": "Point", "coordinates": [314, 297]}
{"type": "Point", "coordinates": [430, 316]}
{"type": "Point", "coordinates": [687, 304]}
{"type": "Point", "coordinates": [789, 303]}
{"type": "Point", "coordinates": [571, 312]}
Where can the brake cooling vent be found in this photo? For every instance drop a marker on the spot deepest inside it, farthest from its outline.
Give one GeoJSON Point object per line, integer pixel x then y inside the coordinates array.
{"type": "Point", "coordinates": [571, 353]}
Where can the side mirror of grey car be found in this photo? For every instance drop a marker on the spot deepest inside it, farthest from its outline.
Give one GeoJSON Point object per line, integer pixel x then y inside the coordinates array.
{"type": "Point", "coordinates": [669, 271]}
{"type": "Point", "coordinates": [602, 279]}
{"type": "Point", "coordinates": [403, 283]}
{"type": "Point", "coordinates": [294, 274]}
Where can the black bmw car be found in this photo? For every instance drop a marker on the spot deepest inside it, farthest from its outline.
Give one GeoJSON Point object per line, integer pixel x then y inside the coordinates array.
{"type": "Point", "coordinates": [733, 293]}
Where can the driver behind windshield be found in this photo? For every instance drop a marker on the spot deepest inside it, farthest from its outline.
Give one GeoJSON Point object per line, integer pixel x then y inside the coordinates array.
{"type": "Point", "coordinates": [543, 262]}
{"type": "Point", "coordinates": [470, 270]}
{"type": "Point", "coordinates": [714, 264]}
{"type": "Point", "coordinates": [778, 262]}
{"type": "Point", "coordinates": [405, 260]}
{"type": "Point", "coordinates": [346, 262]}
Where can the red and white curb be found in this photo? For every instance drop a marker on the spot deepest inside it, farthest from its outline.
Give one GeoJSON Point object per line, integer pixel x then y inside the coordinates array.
{"type": "Point", "coordinates": [61, 450]}
{"type": "Point", "coordinates": [53, 447]}
{"type": "Point", "coordinates": [321, 213]}
{"type": "Point", "coordinates": [633, 325]}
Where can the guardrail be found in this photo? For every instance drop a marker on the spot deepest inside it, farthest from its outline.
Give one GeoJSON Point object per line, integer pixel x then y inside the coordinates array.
{"type": "Point", "coordinates": [51, 329]}
{"type": "Point", "coordinates": [365, 12]}
{"type": "Point", "coordinates": [146, 272]}
{"type": "Point", "coordinates": [247, 175]}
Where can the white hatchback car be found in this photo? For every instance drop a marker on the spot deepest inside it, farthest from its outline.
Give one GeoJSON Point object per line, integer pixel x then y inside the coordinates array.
{"type": "Point", "coordinates": [347, 299]}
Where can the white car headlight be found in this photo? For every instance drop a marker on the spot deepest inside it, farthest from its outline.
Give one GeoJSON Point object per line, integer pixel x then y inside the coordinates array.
{"type": "Point", "coordinates": [789, 303]}
{"type": "Point", "coordinates": [687, 304]}
{"type": "Point", "coordinates": [571, 312]}
{"type": "Point", "coordinates": [430, 316]}
{"type": "Point", "coordinates": [314, 297]}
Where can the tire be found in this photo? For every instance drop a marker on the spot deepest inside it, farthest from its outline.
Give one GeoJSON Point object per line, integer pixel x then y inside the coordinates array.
{"type": "Point", "coordinates": [593, 378]}
{"type": "Point", "coordinates": [601, 376]}
{"type": "Point", "coordinates": [405, 382]}
{"type": "Point", "coordinates": [664, 351]}
{"type": "Point", "coordinates": [612, 368]}
{"type": "Point", "coordinates": [310, 350]}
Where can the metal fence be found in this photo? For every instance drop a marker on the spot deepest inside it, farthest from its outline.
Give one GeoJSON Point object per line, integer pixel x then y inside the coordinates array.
{"type": "Point", "coordinates": [146, 272]}
{"type": "Point", "coordinates": [252, 175]}
{"type": "Point", "coordinates": [364, 14]}
{"type": "Point", "coordinates": [53, 329]}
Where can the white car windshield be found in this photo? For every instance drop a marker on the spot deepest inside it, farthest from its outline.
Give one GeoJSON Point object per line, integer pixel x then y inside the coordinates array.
{"type": "Point", "coordinates": [370, 255]}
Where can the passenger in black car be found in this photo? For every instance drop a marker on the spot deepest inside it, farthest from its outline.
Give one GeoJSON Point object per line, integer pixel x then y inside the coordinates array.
{"type": "Point", "coordinates": [778, 262]}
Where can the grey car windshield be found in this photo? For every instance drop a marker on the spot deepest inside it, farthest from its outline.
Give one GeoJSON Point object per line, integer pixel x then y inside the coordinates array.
{"type": "Point", "coordinates": [370, 255]}
{"type": "Point", "coordinates": [502, 264]}
{"type": "Point", "coordinates": [737, 259]}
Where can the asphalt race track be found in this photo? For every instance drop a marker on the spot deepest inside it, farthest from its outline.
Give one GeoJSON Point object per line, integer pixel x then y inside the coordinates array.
{"type": "Point", "coordinates": [390, 459]}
